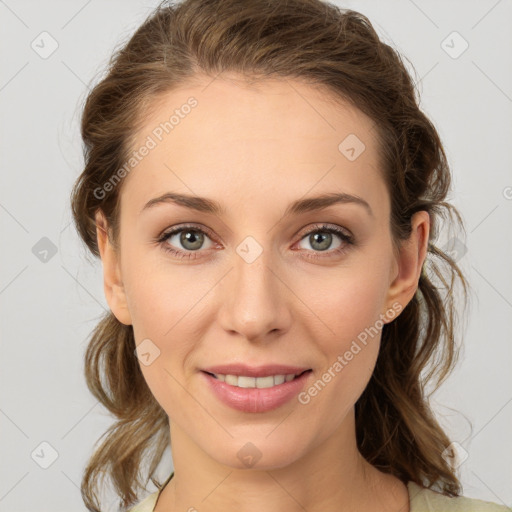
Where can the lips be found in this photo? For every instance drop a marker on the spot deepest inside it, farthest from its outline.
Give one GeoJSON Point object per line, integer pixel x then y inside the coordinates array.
{"type": "Point", "coordinates": [256, 400]}
{"type": "Point", "coordinates": [255, 371]}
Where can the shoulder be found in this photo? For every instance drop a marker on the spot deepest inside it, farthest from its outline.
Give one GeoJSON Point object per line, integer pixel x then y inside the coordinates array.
{"type": "Point", "coordinates": [147, 504]}
{"type": "Point", "coordinates": [421, 499]}
{"type": "Point", "coordinates": [427, 500]}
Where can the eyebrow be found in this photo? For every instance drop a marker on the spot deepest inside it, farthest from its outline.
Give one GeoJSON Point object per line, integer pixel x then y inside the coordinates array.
{"type": "Point", "coordinates": [205, 205]}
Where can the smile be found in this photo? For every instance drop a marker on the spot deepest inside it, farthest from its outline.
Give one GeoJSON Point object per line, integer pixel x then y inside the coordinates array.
{"type": "Point", "coordinates": [243, 381]}
{"type": "Point", "coordinates": [255, 394]}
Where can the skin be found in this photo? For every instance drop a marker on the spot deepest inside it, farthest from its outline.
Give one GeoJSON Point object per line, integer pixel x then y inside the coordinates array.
{"type": "Point", "coordinates": [255, 149]}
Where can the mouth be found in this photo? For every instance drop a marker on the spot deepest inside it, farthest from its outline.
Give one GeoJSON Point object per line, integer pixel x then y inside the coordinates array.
{"type": "Point", "coordinates": [245, 381]}
{"type": "Point", "coordinates": [256, 394]}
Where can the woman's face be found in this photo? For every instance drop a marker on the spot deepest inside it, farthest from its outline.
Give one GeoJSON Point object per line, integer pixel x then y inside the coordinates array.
{"type": "Point", "coordinates": [266, 283]}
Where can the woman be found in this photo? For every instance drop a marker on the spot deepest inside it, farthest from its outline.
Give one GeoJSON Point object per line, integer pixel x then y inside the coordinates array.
{"type": "Point", "coordinates": [264, 194]}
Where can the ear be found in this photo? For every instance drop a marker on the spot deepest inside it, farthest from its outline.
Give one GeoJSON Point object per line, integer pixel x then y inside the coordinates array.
{"type": "Point", "coordinates": [112, 282]}
{"type": "Point", "coordinates": [409, 262]}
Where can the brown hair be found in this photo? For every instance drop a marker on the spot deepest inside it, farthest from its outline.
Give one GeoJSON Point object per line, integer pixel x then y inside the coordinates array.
{"type": "Point", "coordinates": [329, 47]}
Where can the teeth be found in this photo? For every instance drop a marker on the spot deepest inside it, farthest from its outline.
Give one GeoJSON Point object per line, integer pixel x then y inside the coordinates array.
{"type": "Point", "coordinates": [254, 382]}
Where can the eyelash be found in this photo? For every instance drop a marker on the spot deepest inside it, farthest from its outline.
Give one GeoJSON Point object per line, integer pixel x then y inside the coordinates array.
{"type": "Point", "coordinates": [324, 228]}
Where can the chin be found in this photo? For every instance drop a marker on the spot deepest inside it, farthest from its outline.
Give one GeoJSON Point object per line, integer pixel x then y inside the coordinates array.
{"type": "Point", "coordinates": [259, 453]}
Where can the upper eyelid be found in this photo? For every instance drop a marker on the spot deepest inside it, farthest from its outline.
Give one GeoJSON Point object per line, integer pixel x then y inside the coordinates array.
{"type": "Point", "coordinates": [177, 229]}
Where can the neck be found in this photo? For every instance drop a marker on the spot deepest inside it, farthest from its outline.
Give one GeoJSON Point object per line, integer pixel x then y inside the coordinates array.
{"type": "Point", "coordinates": [332, 476]}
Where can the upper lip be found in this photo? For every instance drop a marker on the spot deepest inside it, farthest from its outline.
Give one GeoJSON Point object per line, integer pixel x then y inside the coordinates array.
{"type": "Point", "coordinates": [255, 371]}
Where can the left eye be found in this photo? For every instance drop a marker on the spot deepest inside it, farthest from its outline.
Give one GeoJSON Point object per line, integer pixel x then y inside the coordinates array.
{"type": "Point", "coordinates": [321, 239]}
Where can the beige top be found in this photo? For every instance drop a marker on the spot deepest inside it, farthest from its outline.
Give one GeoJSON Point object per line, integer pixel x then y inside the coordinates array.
{"type": "Point", "coordinates": [421, 499]}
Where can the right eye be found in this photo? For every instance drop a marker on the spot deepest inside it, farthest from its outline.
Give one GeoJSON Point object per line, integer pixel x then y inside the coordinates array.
{"type": "Point", "coordinates": [191, 239]}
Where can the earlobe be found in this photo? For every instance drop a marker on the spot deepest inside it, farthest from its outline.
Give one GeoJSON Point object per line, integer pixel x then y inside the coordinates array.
{"type": "Point", "coordinates": [112, 279]}
{"type": "Point", "coordinates": [410, 261]}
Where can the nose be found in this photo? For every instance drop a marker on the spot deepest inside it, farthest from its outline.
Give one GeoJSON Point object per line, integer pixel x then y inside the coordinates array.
{"type": "Point", "coordinates": [255, 300]}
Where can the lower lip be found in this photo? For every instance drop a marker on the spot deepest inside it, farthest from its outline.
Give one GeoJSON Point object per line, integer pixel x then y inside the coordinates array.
{"type": "Point", "coordinates": [256, 399]}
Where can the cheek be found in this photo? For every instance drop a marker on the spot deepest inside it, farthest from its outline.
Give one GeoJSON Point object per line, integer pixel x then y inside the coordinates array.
{"type": "Point", "coordinates": [347, 301]}
{"type": "Point", "coordinates": [164, 309]}
{"type": "Point", "coordinates": [167, 305]}
{"type": "Point", "coordinates": [162, 296]}
{"type": "Point", "coordinates": [350, 353]}
{"type": "Point", "coordinates": [349, 305]}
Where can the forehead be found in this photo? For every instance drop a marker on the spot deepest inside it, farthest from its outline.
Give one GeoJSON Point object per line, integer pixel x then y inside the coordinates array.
{"type": "Point", "coordinates": [225, 136]}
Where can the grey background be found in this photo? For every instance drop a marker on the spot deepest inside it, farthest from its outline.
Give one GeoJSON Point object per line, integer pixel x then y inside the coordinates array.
{"type": "Point", "coordinates": [51, 301]}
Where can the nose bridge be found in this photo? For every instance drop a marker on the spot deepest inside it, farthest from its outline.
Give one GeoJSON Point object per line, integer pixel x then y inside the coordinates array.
{"type": "Point", "coordinates": [253, 305]}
